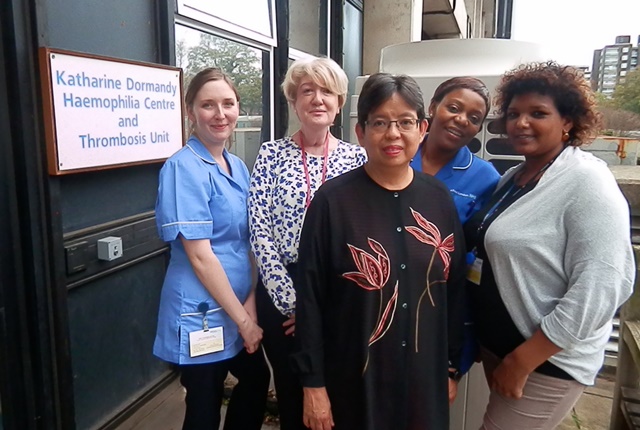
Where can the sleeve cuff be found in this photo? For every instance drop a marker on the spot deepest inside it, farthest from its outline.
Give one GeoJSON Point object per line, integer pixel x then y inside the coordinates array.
{"type": "Point", "coordinates": [309, 368]}
{"type": "Point", "coordinates": [191, 230]}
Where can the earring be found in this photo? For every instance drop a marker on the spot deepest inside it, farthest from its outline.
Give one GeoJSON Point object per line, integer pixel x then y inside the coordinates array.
{"type": "Point", "coordinates": [565, 136]}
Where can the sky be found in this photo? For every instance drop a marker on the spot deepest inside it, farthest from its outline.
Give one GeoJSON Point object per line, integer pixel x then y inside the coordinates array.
{"type": "Point", "coordinates": [570, 30]}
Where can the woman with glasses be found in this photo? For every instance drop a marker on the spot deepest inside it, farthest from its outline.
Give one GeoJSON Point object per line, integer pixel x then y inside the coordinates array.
{"type": "Point", "coordinates": [380, 280]}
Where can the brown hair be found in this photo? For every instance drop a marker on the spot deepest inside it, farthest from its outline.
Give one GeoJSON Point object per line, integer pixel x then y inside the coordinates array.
{"type": "Point", "coordinates": [198, 81]}
{"type": "Point", "coordinates": [565, 85]}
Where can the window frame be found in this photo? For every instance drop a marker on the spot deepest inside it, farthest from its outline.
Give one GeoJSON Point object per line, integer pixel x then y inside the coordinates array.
{"type": "Point", "coordinates": [185, 9]}
{"type": "Point", "coordinates": [205, 28]}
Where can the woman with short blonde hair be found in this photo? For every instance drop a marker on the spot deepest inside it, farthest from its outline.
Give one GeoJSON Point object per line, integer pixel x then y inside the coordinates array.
{"type": "Point", "coordinates": [286, 175]}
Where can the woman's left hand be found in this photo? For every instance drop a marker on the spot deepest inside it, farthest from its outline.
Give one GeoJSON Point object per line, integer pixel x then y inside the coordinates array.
{"type": "Point", "coordinates": [290, 326]}
{"type": "Point", "coordinates": [509, 378]}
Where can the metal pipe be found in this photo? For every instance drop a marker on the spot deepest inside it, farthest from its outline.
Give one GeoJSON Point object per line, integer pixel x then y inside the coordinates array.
{"type": "Point", "coordinates": [504, 10]}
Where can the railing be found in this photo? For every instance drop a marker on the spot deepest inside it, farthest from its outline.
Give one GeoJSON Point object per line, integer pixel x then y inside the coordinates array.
{"type": "Point", "coordinates": [625, 412]}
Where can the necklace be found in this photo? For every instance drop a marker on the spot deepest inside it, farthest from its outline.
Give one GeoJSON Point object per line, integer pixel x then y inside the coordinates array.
{"type": "Point", "coordinates": [307, 178]}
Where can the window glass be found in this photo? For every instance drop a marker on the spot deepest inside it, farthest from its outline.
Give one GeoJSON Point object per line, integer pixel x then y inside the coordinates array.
{"type": "Point", "coordinates": [196, 50]}
{"type": "Point", "coordinates": [254, 16]}
{"type": "Point", "coordinates": [352, 62]}
{"type": "Point", "coordinates": [305, 26]}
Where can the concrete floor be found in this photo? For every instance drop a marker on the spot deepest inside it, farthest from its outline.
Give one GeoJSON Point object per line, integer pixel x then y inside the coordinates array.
{"type": "Point", "coordinates": [166, 410]}
{"type": "Point", "coordinates": [593, 410]}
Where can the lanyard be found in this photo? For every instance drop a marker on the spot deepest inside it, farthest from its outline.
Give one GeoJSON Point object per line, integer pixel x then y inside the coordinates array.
{"type": "Point", "coordinates": [495, 207]}
{"type": "Point", "coordinates": [307, 178]}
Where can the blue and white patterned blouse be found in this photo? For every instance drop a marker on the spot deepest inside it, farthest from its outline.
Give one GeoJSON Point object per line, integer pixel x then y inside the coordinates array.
{"type": "Point", "coordinates": [277, 207]}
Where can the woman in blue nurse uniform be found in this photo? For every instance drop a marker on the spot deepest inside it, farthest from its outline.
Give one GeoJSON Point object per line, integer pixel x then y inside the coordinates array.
{"type": "Point", "coordinates": [207, 319]}
{"type": "Point", "coordinates": [457, 109]}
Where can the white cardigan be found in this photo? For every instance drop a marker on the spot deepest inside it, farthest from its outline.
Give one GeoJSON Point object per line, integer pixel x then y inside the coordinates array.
{"type": "Point", "coordinates": [562, 259]}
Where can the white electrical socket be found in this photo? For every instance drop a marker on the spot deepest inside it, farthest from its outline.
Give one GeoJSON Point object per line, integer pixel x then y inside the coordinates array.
{"type": "Point", "coordinates": [109, 248]}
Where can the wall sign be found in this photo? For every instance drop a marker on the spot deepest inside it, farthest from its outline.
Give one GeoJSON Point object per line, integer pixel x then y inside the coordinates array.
{"type": "Point", "coordinates": [104, 112]}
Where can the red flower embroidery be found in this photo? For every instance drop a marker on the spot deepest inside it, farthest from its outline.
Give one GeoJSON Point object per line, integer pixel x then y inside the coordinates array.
{"type": "Point", "coordinates": [373, 275]}
{"type": "Point", "coordinates": [383, 324]}
{"type": "Point", "coordinates": [430, 235]}
{"type": "Point", "coordinates": [373, 272]}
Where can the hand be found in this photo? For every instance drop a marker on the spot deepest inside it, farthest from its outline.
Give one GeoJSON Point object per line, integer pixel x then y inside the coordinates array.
{"type": "Point", "coordinates": [316, 412]}
{"type": "Point", "coordinates": [251, 334]}
{"type": "Point", "coordinates": [291, 324]}
{"type": "Point", "coordinates": [453, 390]}
{"type": "Point", "coordinates": [509, 378]}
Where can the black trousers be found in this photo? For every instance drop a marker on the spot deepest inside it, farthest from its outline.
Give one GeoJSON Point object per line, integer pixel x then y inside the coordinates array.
{"type": "Point", "coordinates": [278, 348]}
{"type": "Point", "coordinates": [205, 388]}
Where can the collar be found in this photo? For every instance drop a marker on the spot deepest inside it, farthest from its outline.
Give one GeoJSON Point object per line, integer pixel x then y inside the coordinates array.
{"type": "Point", "coordinates": [202, 152]}
{"type": "Point", "coordinates": [462, 161]}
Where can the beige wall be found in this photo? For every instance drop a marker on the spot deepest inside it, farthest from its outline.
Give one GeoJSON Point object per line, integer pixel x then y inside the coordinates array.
{"type": "Point", "coordinates": [388, 22]}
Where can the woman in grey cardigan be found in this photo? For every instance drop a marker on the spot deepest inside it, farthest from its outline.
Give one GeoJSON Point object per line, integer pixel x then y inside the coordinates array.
{"type": "Point", "coordinates": [550, 255]}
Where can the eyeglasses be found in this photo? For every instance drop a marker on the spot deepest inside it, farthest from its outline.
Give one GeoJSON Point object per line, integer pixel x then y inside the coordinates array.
{"type": "Point", "coordinates": [404, 125]}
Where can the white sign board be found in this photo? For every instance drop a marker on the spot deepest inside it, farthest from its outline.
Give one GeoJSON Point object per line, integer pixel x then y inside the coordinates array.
{"type": "Point", "coordinates": [111, 112]}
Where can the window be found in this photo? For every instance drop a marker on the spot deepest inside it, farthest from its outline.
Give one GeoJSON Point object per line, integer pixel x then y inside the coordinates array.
{"type": "Point", "coordinates": [307, 18]}
{"type": "Point", "coordinates": [253, 19]}
{"type": "Point", "coordinates": [196, 50]}
{"type": "Point", "coordinates": [352, 61]}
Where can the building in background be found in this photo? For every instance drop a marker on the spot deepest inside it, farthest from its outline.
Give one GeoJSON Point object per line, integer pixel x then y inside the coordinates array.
{"type": "Point", "coordinates": [586, 72]}
{"type": "Point", "coordinates": [612, 63]}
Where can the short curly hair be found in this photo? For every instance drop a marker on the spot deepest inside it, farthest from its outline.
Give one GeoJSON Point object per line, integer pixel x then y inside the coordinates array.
{"type": "Point", "coordinates": [565, 85]}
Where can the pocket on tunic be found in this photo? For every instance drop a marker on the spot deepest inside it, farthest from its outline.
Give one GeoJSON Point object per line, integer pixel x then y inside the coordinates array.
{"type": "Point", "coordinates": [191, 319]}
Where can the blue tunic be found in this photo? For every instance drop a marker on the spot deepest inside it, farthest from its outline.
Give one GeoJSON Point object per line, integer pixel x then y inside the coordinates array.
{"type": "Point", "coordinates": [470, 180]}
{"type": "Point", "coordinates": [198, 199]}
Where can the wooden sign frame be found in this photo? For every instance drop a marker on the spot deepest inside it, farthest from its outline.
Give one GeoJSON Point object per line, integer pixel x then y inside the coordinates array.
{"type": "Point", "coordinates": [140, 151]}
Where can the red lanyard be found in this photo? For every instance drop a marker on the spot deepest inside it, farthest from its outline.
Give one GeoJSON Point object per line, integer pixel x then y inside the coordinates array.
{"type": "Point", "coordinates": [307, 178]}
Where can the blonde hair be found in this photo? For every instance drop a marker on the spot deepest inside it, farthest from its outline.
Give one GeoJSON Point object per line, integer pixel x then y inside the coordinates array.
{"type": "Point", "coordinates": [324, 72]}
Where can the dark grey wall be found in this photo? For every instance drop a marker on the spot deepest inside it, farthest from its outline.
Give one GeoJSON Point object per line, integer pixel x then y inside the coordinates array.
{"type": "Point", "coordinates": [112, 307]}
{"type": "Point", "coordinates": [112, 331]}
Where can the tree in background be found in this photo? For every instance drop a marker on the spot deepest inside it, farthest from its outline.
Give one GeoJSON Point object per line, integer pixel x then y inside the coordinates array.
{"type": "Point", "coordinates": [627, 95]}
{"type": "Point", "coordinates": [238, 61]}
{"type": "Point", "coordinates": [619, 122]}
{"type": "Point", "coordinates": [621, 112]}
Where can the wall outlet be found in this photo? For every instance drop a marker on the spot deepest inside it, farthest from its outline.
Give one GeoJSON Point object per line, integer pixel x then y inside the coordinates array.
{"type": "Point", "coordinates": [109, 248]}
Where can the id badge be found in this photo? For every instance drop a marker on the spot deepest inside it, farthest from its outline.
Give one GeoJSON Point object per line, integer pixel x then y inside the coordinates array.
{"type": "Point", "coordinates": [475, 271]}
{"type": "Point", "coordinates": [203, 342]}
